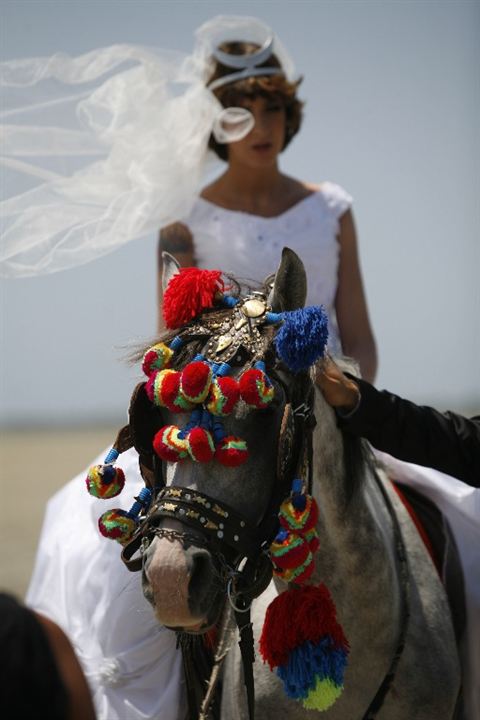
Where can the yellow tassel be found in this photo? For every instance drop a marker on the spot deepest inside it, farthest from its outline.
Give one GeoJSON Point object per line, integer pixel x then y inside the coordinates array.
{"type": "Point", "coordinates": [323, 695]}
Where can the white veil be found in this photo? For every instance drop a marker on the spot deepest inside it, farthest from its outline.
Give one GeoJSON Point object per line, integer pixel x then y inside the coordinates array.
{"type": "Point", "coordinates": [103, 148]}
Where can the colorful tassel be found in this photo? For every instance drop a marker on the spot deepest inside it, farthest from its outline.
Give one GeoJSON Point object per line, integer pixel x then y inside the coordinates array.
{"type": "Point", "coordinates": [292, 550]}
{"type": "Point", "coordinates": [195, 381]}
{"type": "Point", "coordinates": [120, 525]}
{"type": "Point", "coordinates": [302, 338]}
{"type": "Point", "coordinates": [325, 692]}
{"type": "Point", "coordinates": [156, 358]}
{"type": "Point", "coordinates": [117, 525]}
{"type": "Point", "coordinates": [189, 293]}
{"type": "Point", "coordinates": [169, 444]}
{"type": "Point", "coordinates": [231, 451]}
{"type": "Point", "coordinates": [199, 444]}
{"type": "Point", "coordinates": [311, 536]}
{"type": "Point", "coordinates": [163, 389]}
{"type": "Point", "coordinates": [303, 640]}
{"type": "Point", "coordinates": [291, 557]}
{"type": "Point", "coordinates": [298, 572]}
{"type": "Point", "coordinates": [255, 388]}
{"type": "Point", "coordinates": [299, 513]}
{"type": "Point", "coordinates": [105, 481]}
{"type": "Point", "coordinates": [223, 396]}
{"type": "Point", "coordinates": [289, 550]}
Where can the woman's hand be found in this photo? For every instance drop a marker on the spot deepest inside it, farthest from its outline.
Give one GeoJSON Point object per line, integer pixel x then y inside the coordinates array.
{"type": "Point", "coordinates": [338, 390]}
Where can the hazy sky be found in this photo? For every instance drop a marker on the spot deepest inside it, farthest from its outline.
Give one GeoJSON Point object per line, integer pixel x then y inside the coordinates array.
{"type": "Point", "coordinates": [393, 103]}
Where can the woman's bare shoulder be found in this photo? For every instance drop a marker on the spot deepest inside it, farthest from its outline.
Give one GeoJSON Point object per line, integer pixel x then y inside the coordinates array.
{"type": "Point", "coordinates": [313, 187]}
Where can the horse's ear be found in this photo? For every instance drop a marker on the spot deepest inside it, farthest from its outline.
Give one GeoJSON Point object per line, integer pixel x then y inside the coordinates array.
{"type": "Point", "coordinates": [289, 289]}
{"type": "Point", "coordinates": [170, 268]}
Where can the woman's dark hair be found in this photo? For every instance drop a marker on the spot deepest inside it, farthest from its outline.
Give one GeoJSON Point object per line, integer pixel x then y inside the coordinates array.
{"type": "Point", "coordinates": [267, 86]}
{"type": "Point", "coordinates": [30, 682]}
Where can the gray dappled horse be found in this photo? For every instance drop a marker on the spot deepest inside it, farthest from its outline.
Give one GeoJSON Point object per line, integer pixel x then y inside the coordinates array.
{"type": "Point", "coordinates": [403, 662]}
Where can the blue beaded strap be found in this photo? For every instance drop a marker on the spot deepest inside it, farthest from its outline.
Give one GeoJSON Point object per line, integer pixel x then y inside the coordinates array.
{"type": "Point", "coordinates": [112, 456]}
{"type": "Point", "coordinates": [176, 343]}
{"type": "Point", "coordinates": [218, 431]}
{"type": "Point", "coordinates": [229, 301]}
{"type": "Point", "coordinates": [142, 500]}
{"type": "Point", "coordinates": [221, 369]}
{"type": "Point", "coordinates": [299, 500]}
{"type": "Point", "coordinates": [271, 318]}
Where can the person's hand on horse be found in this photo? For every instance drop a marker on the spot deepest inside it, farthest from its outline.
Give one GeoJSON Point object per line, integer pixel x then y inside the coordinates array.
{"type": "Point", "coordinates": [338, 390]}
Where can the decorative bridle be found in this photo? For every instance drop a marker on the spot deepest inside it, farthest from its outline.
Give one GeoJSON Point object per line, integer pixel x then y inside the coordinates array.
{"type": "Point", "coordinates": [239, 547]}
{"type": "Point", "coordinates": [236, 341]}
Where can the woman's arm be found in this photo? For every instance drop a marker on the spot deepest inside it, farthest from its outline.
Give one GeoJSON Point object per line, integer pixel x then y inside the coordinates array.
{"type": "Point", "coordinates": [178, 241]}
{"type": "Point", "coordinates": [354, 326]}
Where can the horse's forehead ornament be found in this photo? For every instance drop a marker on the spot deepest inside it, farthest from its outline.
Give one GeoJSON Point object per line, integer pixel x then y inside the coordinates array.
{"type": "Point", "coordinates": [301, 637]}
{"type": "Point", "coordinates": [242, 330]}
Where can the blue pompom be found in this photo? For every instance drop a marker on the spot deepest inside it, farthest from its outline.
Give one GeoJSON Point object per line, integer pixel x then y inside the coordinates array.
{"type": "Point", "coordinates": [302, 338]}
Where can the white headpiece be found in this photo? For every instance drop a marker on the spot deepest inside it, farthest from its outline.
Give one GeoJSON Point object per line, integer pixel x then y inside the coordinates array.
{"type": "Point", "coordinates": [110, 146]}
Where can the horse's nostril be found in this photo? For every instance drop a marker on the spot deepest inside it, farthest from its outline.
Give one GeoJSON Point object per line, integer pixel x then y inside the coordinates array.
{"type": "Point", "coordinates": [201, 574]}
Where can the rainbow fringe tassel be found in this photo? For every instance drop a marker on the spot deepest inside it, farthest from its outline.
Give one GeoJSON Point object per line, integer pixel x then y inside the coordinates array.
{"type": "Point", "coordinates": [302, 639]}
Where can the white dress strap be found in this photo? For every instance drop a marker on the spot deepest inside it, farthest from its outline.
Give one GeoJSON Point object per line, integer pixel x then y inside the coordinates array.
{"type": "Point", "coordinates": [337, 199]}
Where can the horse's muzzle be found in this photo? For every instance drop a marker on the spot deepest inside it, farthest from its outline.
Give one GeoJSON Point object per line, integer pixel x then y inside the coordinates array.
{"type": "Point", "coordinates": [182, 584]}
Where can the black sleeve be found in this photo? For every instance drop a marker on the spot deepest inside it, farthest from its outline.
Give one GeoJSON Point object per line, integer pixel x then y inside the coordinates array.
{"type": "Point", "coordinates": [421, 435]}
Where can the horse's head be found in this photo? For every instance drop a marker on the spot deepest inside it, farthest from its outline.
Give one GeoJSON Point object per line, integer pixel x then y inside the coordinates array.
{"type": "Point", "coordinates": [210, 521]}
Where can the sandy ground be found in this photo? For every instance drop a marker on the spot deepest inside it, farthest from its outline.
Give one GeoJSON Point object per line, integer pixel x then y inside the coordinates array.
{"type": "Point", "coordinates": [33, 465]}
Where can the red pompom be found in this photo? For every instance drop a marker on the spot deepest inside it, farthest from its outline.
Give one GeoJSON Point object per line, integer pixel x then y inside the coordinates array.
{"type": "Point", "coordinates": [200, 445]}
{"type": "Point", "coordinates": [289, 550]}
{"type": "Point", "coordinates": [223, 396]}
{"type": "Point", "coordinates": [312, 539]}
{"type": "Point", "coordinates": [296, 616]}
{"type": "Point", "coordinates": [188, 293]}
{"type": "Point", "coordinates": [298, 519]}
{"type": "Point", "coordinates": [156, 358]}
{"type": "Point", "coordinates": [195, 381]}
{"type": "Point", "coordinates": [255, 388]}
{"type": "Point", "coordinates": [298, 575]}
{"type": "Point", "coordinates": [105, 481]}
{"type": "Point", "coordinates": [163, 389]}
{"type": "Point", "coordinates": [168, 445]}
{"type": "Point", "coordinates": [117, 525]}
{"type": "Point", "coordinates": [231, 451]}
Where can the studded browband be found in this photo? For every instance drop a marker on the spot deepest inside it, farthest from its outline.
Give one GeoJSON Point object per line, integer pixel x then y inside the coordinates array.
{"type": "Point", "coordinates": [217, 522]}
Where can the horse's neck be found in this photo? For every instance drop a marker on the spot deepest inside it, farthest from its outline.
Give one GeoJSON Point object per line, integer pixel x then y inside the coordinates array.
{"type": "Point", "coordinates": [356, 558]}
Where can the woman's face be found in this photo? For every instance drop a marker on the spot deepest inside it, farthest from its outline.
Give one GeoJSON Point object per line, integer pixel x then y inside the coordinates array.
{"type": "Point", "coordinates": [265, 141]}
